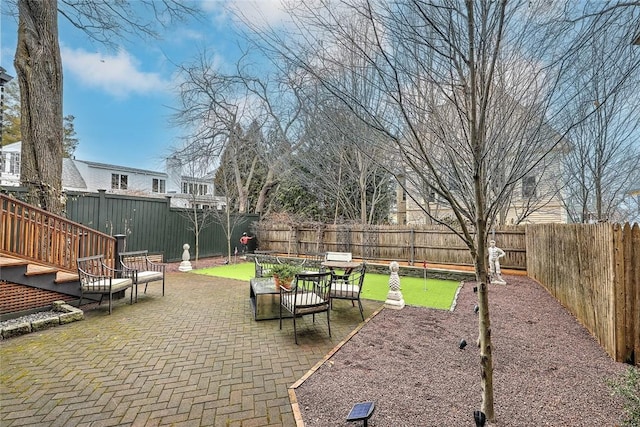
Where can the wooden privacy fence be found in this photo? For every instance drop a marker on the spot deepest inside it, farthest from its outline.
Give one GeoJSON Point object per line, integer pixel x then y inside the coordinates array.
{"type": "Point", "coordinates": [411, 244]}
{"type": "Point", "coordinates": [594, 271]}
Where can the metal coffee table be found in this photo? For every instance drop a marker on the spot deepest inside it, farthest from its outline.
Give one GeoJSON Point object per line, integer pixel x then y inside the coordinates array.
{"type": "Point", "coordinates": [265, 299]}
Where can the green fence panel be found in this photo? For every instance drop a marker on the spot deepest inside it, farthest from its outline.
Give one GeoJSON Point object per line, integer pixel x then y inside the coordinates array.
{"type": "Point", "coordinates": [152, 224]}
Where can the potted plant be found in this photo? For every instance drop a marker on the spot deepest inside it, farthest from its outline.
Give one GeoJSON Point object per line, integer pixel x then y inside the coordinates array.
{"type": "Point", "coordinates": [283, 274]}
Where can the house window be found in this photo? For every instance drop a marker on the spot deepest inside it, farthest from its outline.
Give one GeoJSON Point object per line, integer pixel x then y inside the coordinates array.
{"type": "Point", "coordinates": [195, 189]}
{"type": "Point", "coordinates": [158, 185]}
{"type": "Point", "coordinates": [119, 182]}
{"type": "Point", "coordinates": [429, 193]}
{"type": "Point", "coordinates": [528, 186]}
{"type": "Point", "coordinates": [14, 163]}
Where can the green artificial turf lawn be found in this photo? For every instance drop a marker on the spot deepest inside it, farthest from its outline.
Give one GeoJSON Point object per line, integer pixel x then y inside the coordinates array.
{"type": "Point", "coordinates": [439, 293]}
{"type": "Point", "coordinates": [240, 271]}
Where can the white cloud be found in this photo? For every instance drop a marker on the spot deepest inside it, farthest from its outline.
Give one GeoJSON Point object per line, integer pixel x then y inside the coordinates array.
{"type": "Point", "coordinates": [118, 75]}
{"type": "Point", "coordinates": [263, 13]}
{"type": "Point", "coordinates": [260, 13]}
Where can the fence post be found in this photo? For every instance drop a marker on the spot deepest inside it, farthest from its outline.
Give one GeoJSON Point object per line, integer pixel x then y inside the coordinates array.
{"type": "Point", "coordinates": [102, 207]}
{"type": "Point", "coordinates": [635, 284]}
{"type": "Point", "coordinates": [618, 293]}
{"type": "Point", "coordinates": [121, 242]}
{"type": "Point", "coordinates": [412, 249]}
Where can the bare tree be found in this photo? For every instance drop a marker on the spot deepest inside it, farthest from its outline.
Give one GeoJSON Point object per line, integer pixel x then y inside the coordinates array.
{"type": "Point", "coordinates": [195, 173]}
{"type": "Point", "coordinates": [603, 164]}
{"type": "Point", "coordinates": [467, 92]}
{"type": "Point", "coordinates": [226, 217]}
{"type": "Point", "coordinates": [39, 72]}
{"type": "Point", "coordinates": [214, 109]}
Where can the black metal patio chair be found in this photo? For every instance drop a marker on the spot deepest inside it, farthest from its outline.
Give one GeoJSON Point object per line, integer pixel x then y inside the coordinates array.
{"type": "Point", "coordinates": [309, 294]}
{"type": "Point", "coordinates": [349, 286]}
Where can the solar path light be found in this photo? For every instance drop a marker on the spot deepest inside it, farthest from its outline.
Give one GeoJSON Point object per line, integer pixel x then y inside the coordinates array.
{"type": "Point", "coordinates": [361, 412]}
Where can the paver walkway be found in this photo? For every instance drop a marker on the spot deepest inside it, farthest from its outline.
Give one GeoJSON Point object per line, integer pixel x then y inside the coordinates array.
{"type": "Point", "coordinates": [195, 357]}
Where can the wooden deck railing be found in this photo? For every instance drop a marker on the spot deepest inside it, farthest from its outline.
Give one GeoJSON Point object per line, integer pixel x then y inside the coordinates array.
{"type": "Point", "coordinates": [39, 236]}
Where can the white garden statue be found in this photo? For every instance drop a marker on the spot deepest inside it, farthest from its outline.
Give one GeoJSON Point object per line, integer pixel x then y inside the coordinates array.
{"type": "Point", "coordinates": [394, 297]}
{"type": "Point", "coordinates": [185, 265]}
{"type": "Point", "coordinates": [495, 253]}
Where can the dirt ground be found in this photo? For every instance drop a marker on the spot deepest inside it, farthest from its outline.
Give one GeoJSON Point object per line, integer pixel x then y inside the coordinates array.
{"type": "Point", "coordinates": [548, 370]}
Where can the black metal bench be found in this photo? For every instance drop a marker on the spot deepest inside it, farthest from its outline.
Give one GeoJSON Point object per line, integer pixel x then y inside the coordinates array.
{"type": "Point", "coordinates": [264, 264]}
{"type": "Point", "coordinates": [98, 278]}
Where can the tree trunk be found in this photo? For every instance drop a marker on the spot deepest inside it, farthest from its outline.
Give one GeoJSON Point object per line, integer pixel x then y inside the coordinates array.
{"type": "Point", "coordinates": [39, 70]}
{"type": "Point", "coordinates": [269, 183]}
{"type": "Point", "coordinates": [477, 139]}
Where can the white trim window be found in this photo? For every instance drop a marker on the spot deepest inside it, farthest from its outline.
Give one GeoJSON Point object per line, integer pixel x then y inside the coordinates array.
{"type": "Point", "coordinates": [158, 185]}
{"type": "Point", "coordinates": [119, 182]}
{"type": "Point", "coordinates": [10, 163]}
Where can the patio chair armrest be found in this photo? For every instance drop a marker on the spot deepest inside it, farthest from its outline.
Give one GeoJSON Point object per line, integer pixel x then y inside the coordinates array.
{"type": "Point", "coordinates": [155, 266]}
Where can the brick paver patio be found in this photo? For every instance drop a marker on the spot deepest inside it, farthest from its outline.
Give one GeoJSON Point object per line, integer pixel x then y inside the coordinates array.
{"type": "Point", "coordinates": [195, 357]}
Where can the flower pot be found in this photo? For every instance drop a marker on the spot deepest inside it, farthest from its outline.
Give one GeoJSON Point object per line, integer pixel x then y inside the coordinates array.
{"type": "Point", "coordinates": [285, 283]}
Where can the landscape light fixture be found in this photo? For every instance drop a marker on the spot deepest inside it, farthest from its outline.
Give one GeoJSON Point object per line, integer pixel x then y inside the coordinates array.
{"type": "Point", "coordinates": [361, 412]}
{"type": "Point", "coordinates": [479, 418]}
{"type": "Point", "coordinates": [463, 344]}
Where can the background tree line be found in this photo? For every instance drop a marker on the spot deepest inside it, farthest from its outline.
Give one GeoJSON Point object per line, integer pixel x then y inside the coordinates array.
{"type": "Point", "coordinates": [11, 122]}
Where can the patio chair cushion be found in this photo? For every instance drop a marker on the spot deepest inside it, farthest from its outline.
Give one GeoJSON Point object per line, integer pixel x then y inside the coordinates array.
{"type": "Point", "coordinates": [149, 276]}
{"type": "Point", "coordinates": [302, 301]}
{"type": "Point", "coordinates": [102, 285]}
{"type": "Point", "coordinates": [344, 290]}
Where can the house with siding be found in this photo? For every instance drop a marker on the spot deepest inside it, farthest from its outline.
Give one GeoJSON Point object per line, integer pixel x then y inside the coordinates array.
{"type": "Point", "coordinates": [535, 198]}
{"type": "Point", "coordinates": [81, 175]}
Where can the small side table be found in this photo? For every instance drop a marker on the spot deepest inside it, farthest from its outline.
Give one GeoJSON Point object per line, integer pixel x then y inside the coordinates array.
{"type": "Point", "coordinates": [265, 299]}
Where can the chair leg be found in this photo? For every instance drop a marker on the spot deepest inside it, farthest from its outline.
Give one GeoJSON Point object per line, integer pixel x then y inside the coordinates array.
{"type": "Point", "coordinates": [328, 323]}
{"type": "Point", "coordinates": [280, 316]}
{"type": "Point", "coordinates": [110, 298]}
{"type": "Point", "coordinates": [295, 332]}
{"type": "Point", "coordinates": [361, 310]}
{"type": "Point", "coordinates": [162, 285]}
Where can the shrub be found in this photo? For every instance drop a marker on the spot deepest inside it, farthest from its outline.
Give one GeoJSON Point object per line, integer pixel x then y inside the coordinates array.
{"type": "Point", "coordinates": [627, 386]}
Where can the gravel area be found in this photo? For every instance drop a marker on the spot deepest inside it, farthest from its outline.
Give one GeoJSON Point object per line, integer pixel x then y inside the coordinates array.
{"type": "Point", "coordinates": [173, 267]}
{"type": "Point", "coordinates": [40, 315]}
{"type": "Point", "coordinates": [548, 370]}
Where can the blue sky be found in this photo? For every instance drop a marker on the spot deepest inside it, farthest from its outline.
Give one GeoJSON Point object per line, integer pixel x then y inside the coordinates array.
{"type": "Point", "coordinates": [121, 99]}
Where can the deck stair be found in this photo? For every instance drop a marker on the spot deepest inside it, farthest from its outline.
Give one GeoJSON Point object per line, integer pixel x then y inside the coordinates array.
{"type": "Point", "coordinates": [28, 273]}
